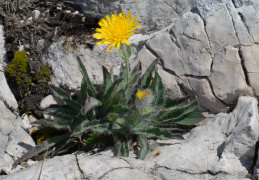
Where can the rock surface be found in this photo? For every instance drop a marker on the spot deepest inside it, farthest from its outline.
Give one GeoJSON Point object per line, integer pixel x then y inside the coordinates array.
{"type": "Point", "coordinates": [224, 149]}
{"type": "Point", "coordinates": [15, 141]}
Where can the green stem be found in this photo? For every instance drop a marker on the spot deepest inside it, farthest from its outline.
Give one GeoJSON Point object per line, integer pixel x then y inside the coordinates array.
{"type": "Point", "coordinates": [128, 69]}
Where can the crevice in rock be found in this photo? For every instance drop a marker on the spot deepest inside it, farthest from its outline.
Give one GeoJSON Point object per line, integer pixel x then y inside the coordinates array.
{"type": "Point", "coordinates": [79, 168]}
{"type": "Point", "coordinates": [214, 94]}
{"type": "Point", "coordinates": [113, 170]}
{"type": "Point", "coordinates": [234, 4]}
{"type": "Point", "coordinates": [243, 66]}
{"type": "Point", "coordinates": [233, 23]}
{"type": "Point", "coordinates": [242, 19]}
{"type": "Point", "coordinates": [255, 157]}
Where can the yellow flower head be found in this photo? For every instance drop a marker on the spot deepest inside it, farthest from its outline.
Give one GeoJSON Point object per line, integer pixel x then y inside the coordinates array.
{"type": "Point", "coordinates": [116, 29]}
{"type": "Point", "coordinates": [141, 94]}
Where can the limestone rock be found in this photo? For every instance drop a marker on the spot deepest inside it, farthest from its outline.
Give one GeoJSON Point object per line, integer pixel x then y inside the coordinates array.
{"type": "Point", "coordinates": [5, 93]}
{"type": "Point", "coordinates": [227, 76]}
{"type": "Point", "coordinates": [242, 135]}
{"type": "Point", "coordinates": [35, 14]}
{"type": "Point", "coordinates": [205, 96]}
{"type": "Point", "coordinates": [15, 141]}
{"type": "Point", "coordinates": [249, 16]}
{"type": "Point", "coordinates": [209, 7]}
{"type": "Point", "coordinates": [153, 15]}
{"type": "Point", "coordinates": [220, 30]}
{"type": "Point", "coordinates": [194, 55]}
{"type": "Point", "coordinates": [62, 167]}
{"type": "Point", "coordinates": [226, 144]}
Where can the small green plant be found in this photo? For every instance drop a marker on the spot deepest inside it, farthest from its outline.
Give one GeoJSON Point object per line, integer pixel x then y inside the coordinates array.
{"type": "Point", "coordinates": [130, 108]}
{"type": "Point", "coordinates": [19, 69]}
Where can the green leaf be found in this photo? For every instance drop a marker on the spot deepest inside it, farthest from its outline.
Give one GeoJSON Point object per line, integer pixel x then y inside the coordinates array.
{"type": "Point", "coordinates": [41, 147]}
{"type": "Point", "coordinates": [141, 125]}
{"type": "Point", "coordinates": [125, 51]}
{"type": "Point", "coordinates": [119, 109]}
{"type": "Point", "coordinates": [155, 132]}
{"type": "Point", "coordinates": [177, 113]}
{"type": "Point", "coordinates": [148, 75]}
{"type": "Point", "coordinates": [83, 90]}
{"type": "Point", "coordinates": [62, 112]}
{"type": "Point", "coordinates": [169, 103]}
{"type": "Point", "coordinates": [94, 125]}
{"type": "Point", "coordinates": [134, 78]}
{"type": "Point", "coordinates": [158, 89]}
{"type": "Point", "coordinates": [108, 97]}
{"type": "Point", "coordinates": [90, 88]}
{"type": "Point", "coordinates": [60, 93]}
{"type": "Point", "coordinates": [107, 79]}
{"type": "Point", "coordinates": [58, 124]}
{"type": "Point", "coordinates": [191, 119]}
{"type": "Point", "coordinates": [73, 104]}
{"type": "Point", "coordinates": [144, 147]}
{"type": "Point", "coordinates": [90, 103]}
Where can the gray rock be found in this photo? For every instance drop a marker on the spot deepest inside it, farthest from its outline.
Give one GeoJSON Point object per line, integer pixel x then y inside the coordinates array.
{"type": "Point", "coordinates": [205, 96]}
{"type": "Point", "coordinates": [220, 30]}
{"type": "Point", "coordinates": [5, 93]}
{"type": "Point", "coordinates": [61, 167]}
{"type": "Point", "coordinates": [35, 14]}
{"type": "Point", "coordinates": [194, 57]}
{"type": "Point", "coordinates": [61, 56]}
{"type": "Point", "coordinates": [249, 16]}
{"type": "Point", "coordinates": [242, 135]}
{"type": "Point", "coordinates": [227, 76]}
{"type": "Point", "coordinates": [241, 31]}
{"type": "Point", "coordinates": [153, 15]}
{"type": "Point", "coordinates": [210, 7]}
{"type": "Point", "coordinates": [15, 141]}
{"type": "Point", "coordinates": [227, 138]}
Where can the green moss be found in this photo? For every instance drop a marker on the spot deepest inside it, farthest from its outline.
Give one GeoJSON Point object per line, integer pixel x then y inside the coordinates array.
{"type": "Point", "coordinates": [43, 76]}
{"type": "Point", "coordinates": [19, 69]}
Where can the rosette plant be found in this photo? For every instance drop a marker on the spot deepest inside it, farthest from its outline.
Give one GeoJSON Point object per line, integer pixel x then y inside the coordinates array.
{"type": "Point", "coordinates": [131, 107]}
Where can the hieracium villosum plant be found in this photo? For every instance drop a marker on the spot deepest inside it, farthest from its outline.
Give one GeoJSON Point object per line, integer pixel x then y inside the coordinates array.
{"type": "Point", "coordinates": [130, 107]}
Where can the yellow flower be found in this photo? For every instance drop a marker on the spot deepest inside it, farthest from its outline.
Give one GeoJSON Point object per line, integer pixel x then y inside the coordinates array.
{"type": "Point", "coordinates": [141, 94]}
{"type": "Point", "coordinates": [116, 29]}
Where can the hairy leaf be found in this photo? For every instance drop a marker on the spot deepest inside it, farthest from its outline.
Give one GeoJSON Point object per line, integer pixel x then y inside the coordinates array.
{"type": "Point", "coordinates": [155, 132]}
{"type": "Point", "coordinates": [146, 79]}
{"type": "Point", "coordinates": [41, 147]}
{"type": "Point", "coordinates": [177, 113]}
{"type": "Point", "coordinates": [107, 79]}
{"type": "Point", "coordinates": [190, 119]}
{"type": "Point", "coordinates": [144, 147]}
{"type": "Point", "coordinates": [90, 88]}
{"type": "Point", "coordinates": [90, 103]}
{"type": "Point", "coordinates": [158, 89]}
{"type": "Point", "coordinates": [60, 93]}
{"type": "Point", "coordinates": [169, 103]}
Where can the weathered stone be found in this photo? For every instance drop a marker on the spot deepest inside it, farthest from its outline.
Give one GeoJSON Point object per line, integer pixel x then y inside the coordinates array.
{"type": "Point", "coordinates": [35, 14]}
{"type": "Point", "coordinates": [61, 167]}
{"type": "Point", "coordinates": [15, 141]}
{"type": "Point", "coordinates": [241, 31]}
{"type": "Point", "coordinates": [251, 58]}
{"type": "Point", "coordinates": [242, 135]}
{"type": "Point", "coordinates": [5, 93]}
{"type": "Point", "coordinates": [249, 15]}
{"type": "Point", "coordinates": [226, 144]}
{"type": "Point", "coordinates": [194, 57]}
{"type": "Point", "coordinates": [61, 56]}
{"type": "Point", "coordinates": [253, 81]}
{"type": "Point", "coordinates": [227, 76]}
{"type": "Point", "coordinates": [210, 7]}
{"type": "Point", "coordinates": [153, 15]}
{"type": "Point", "coordinates": [205, 96]}
{"type": "Point", "coordinates": [220, 30]}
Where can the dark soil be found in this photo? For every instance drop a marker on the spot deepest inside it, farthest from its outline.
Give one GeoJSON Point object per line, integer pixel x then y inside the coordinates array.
{"type": "Point", "coordinates": [57, 19]}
